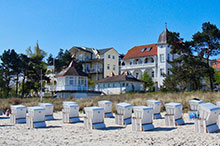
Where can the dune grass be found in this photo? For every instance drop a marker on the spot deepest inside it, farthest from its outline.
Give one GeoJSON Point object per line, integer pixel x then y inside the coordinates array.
{"type": "Point", "coordinates": [132, 98]}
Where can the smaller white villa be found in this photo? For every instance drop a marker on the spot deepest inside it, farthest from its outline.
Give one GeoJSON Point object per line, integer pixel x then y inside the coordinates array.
{"type": "Point", "coordinates": [119, 84]}
{"type": "Point", "coordinates": [73, 82]}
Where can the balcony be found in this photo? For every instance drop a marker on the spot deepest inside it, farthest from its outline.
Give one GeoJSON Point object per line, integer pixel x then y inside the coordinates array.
{"type": "Point", "coordinates": [71, 88]}
{"type": "Point", "coordinates": [138, 66]}
{"type": "Point", "coordinates": [92, 70]}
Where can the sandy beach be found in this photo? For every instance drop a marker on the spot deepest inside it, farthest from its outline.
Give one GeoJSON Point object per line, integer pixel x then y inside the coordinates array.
{"type": "Point", "coordinates": [58, 133]}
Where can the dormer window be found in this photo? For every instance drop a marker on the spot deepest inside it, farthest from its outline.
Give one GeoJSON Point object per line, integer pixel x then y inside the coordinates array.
{"type": "Point", "coordinates": [142, 50]}
{"type": "Point", "coordinates": [148, 49]}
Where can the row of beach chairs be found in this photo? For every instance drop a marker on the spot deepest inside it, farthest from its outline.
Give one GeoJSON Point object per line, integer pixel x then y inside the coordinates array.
{"type": "Point", "coordinates": [205, 115]}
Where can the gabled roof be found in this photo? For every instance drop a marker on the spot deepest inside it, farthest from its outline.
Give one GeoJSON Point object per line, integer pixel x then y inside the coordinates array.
{"type": "Point", "coordinates": [118, 78]}
{"type": "Point", "coordinates": [71, 70]}
{"type": "Point", "coordinates": [139, 51]}
{"type": "Point", "coordinates": [103, 51]}
{"type": "Point", "coordinates": [85, 49]}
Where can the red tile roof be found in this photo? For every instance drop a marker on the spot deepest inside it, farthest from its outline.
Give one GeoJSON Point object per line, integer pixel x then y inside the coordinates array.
{"type": "Point", "coordinates": [216, 64]}
{"type": "Point", "coordinates": [137, 51]}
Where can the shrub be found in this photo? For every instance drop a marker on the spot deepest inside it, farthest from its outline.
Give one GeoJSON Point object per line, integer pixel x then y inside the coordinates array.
{"type": "Point", "coordinates": [16, 101]}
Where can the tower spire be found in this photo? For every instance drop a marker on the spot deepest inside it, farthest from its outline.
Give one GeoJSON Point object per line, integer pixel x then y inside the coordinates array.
{"type": "Point", "coordinates": [165, 25]}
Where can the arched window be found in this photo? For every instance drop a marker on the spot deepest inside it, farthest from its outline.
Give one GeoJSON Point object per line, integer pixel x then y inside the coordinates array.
{"type": "Point", "coordinates": [146, 60]}
{"type": "Point", "coordinates": [123, 64]}
{"type": "Point", "coordinates": [152, 60]}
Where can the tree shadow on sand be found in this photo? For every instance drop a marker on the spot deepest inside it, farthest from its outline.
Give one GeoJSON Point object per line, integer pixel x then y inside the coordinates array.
{"type": "Point", "coordinates": [163, 129]}
{"type": "Point", "coordinates": [47, 127]}
{"type": "Point", "coordinates": [2, 118]}
{"type": "Point", "coordinates": [6, 125]}
{"type": "Point", "coordinates": [188, 124]}
{"type": "Point", "coordinates": [112, 128]}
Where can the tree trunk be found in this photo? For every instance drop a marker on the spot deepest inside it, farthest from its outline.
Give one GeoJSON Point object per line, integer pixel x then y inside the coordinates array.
{"type": "Point", "coordinates": [22, 92]}
{"type": "Point", "coordinates": [17, 86]}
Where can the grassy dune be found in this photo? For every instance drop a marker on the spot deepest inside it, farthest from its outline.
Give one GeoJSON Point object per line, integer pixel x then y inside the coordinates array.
{"type": "Point", "coordinates": [132, 98]}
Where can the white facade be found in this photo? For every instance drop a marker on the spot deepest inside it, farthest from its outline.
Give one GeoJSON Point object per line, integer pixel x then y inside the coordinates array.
{"type": "Point", "coordinates": [155, 66]}
{"type": "Point", "coordinates": [154, 63]}
{"type": "Point", "coordinates": [119, 87]}
{"type": "Point", "coordinates": [72, 83]}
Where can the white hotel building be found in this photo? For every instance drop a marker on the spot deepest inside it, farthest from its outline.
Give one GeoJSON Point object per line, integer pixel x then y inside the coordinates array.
{"type": "Point", "coordinates": [151, 59]}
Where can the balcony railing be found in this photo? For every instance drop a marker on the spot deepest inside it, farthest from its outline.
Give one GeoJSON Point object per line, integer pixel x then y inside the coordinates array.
{"type": "Point", "coordinates": [138, 66]}
{"type": "Point", "coordinates": [92, 70]}
{"type": "Point", "coordinates": [68, 87]}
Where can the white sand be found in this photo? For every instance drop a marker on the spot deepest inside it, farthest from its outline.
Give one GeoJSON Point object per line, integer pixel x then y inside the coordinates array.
{"type": "Point", "coordinates": [58, 133]}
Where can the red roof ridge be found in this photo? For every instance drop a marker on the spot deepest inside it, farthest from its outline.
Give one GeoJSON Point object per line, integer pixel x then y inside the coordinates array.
{"type": "Point", "coordinates": [136, 51]}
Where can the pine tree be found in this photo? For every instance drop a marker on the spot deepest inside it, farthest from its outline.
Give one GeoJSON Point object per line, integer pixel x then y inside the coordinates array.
{"type": "Point", "coordinates": [207, 44]}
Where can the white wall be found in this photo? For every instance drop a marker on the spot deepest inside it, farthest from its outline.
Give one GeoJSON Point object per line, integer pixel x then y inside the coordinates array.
{"type": "Point", "coordinates": [118, 87]}
{"type": "Point", "coordinates": [162, 49]}
{"type": "Point", "coordinates": [79, 83]}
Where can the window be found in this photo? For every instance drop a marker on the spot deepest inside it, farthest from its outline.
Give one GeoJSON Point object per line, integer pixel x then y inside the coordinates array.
{"type": "Point", "coordinates": [168, 57]}
{"type": "Point", "coordinates": [109, 56]}
{"type": "Point", "coordinates": [146, 60]}
{"type": "Point", "coordinates": [123, 84]}
{"type": "Point", "coordinates": [152, 60]}
{"type": "Point", "coordinates": [136, 75]}
{"type": "Point", "coordinates": [114, 67]}
{"type": "Point", "coordinates": [162, 72]}
{"type": "Point", "coordinates": [70, 80]}
{"type": "Point", "coordinates": [130, 63]}
{"type": "Point", "coordinates": [152, 74]}
{"type": "Point", "coordinates": [108, 66]}
{"type": "Point", "coordinates": [113, 57]}
{"type": "Point", "coordinates": [87, 67]}
{"type": "Point", "coordinates": [123, 64]}
{"type": "Point", "coordinates": [87, 57]}
{"type": "Point", "coordinates": [142, 50]}
{"type": "Point", "coordinates": [108, 84]}
{"type": "Point", "coordinates": [148, 49]}
{"type": "Point", "coordinates": [113, 84]}
{"type": "Point", "coordinates": [161, 58]}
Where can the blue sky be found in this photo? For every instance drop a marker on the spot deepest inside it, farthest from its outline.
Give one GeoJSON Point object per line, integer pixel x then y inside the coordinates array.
{"type": "Point", "coordinates": [121, 24]}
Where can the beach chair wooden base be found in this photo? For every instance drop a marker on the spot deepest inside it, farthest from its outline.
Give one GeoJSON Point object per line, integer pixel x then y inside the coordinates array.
{"type": "Point", "coordinates": [14, 120]}
{"type": "Point", "coordinates": [172, 122]}
{"type": "Point", "coordinates": [119, 120]}
{"type": "Point", "coordinates": [201, 127]}
{"type": "Point", "coordinates": [68, 119]}
{"type": "Point", "coordinates": [137, 125]}
{"type": "Point", "coordinates": [31, 124]}
{"type": "Point", "coordinates": [89, 125]}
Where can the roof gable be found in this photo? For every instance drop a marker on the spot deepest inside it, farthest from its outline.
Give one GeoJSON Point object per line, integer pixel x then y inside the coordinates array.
{"type": "Point", "coordinates": [103, 51]}
{"type": "Point", "coordinates": [141, 51]}
{"type": "Point", "coordinates": [71, 70]}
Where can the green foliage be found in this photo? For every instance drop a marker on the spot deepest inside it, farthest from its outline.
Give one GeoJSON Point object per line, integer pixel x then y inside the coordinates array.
{"type": "Point", "coordinates": [148, 82]}
{"type": "Point", "coordinates": [14, 65]}
{"type": "Point", "coordinates": [217, 77]}
{"type": "Point", "coordinates": [91, 84]}
{"type": "Point", "coordinates": [187, 69]}
{"type": "Point", "coordinates": [207, 44]}
{"type": "Point", "coordinates": [62, 60]}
